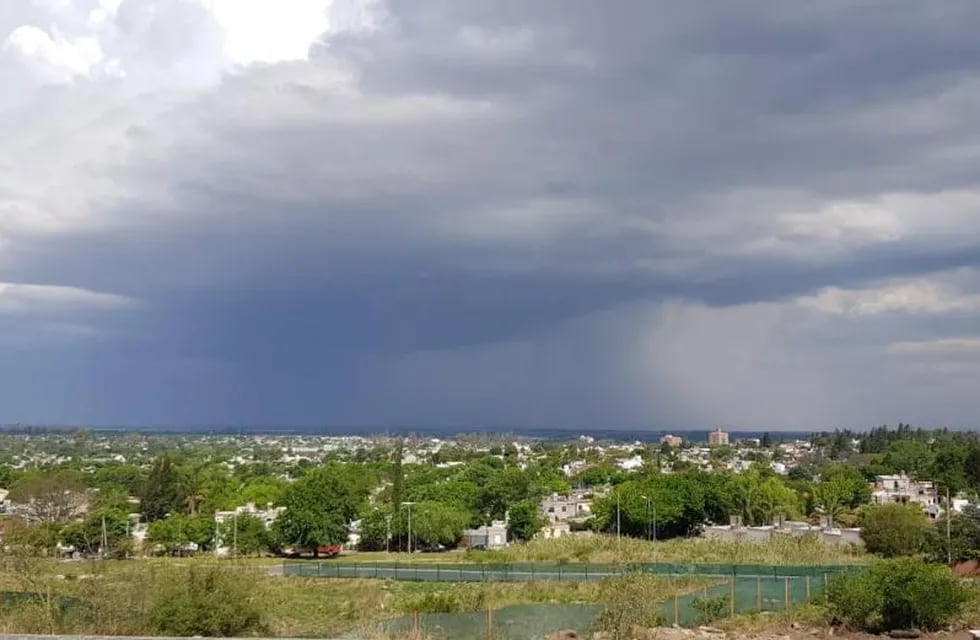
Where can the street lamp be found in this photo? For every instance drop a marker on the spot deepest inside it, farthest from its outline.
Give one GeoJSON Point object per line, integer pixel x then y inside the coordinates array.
{"type": "Point", "coordinates": [387, 533]}
{"type": "Point", "coordinates": [649, 526]}
{"type": "Point", "coordinates": [617, 516]}
{"type": "Point", "coordinates": [409, 505]}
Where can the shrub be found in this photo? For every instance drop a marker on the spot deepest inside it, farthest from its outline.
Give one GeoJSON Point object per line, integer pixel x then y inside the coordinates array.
{"type": "Point", "coordinates": [894, 529]}
{"type": "Point", "coordinates": [709, 609]}
{"type": "Point", "coordinates": [206, 602]}
{"type": "Point", "coordinates": [628, 603]}
{"type": "Point", "coordinates": [458, 599]}
{"type": "Point", "coordinates": [901, 593]}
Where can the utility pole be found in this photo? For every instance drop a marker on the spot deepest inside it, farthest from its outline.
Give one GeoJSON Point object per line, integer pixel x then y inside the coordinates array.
{"type": "Point", "coordinates": [409, 505]}
{"type": "Point", "coordinates": [234, 548]}
{"type": "Point", "coordinates": [387, 534]}
{"type": "Point", "coordinates": [105, 538]}
{"type": "Point", "coordinates": [949, 515]}
{"type": "Point", "coordinates": [617, 517]}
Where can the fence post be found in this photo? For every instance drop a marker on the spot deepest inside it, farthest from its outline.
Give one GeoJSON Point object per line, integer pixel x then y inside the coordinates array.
{"type": "Point", "coordinates": [676, 611]}
{"type": "Point", "coordinates": [731, 602]}
{"type": "Point", "coordinates": [337, 566]}
{"type": "Point", "coordinates": [438, 575]}
{"type": "Point", "coordinates": [375, 570]}
{"type": "Point", "coordinates": [483, 572]}
{"type": "Point", "coordinates": [586, 572]}
{"type": "Point", "coordinates": [758, 593]}
{"type": "Point", "coordinates": [825, 582]}
{"type": "Point", "coordinates": [559, 572]}
{"type": "Point", "coordinates": [786, 592]}
{"type": "Point", "coordinates": [318, 569]}
{"type": "Point", "coordinates": [489, 623]}
{"type": "Point", "coordinates": [808, 589]}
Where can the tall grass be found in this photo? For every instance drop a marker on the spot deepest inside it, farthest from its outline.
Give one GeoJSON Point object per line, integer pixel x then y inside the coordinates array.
{"type": "Point", "coordinates": [609, 549]}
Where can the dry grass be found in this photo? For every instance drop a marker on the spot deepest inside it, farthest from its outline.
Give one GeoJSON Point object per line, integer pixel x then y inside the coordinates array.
{"type": "Point", "coordinates": [608, 549]}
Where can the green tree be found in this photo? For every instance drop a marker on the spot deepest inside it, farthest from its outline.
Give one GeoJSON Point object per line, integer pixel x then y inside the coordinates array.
{"type": "Point", "coordinates": [894, 529]}
{"type": "Point", "coordinates": [50, 497]}
{"type": "Point", "coordinates": [207, 602]}
{"type": "Point", "coordinates": [164, 491]}
{"type": "Point", "coordinates": [909, 456]}
{"type": "Point", "coordinates": [178, 531]}
{"type": "Point", "coordinates": [318, 508]}
{"type": "Point", "coordinates": [104, 526]}
{"type": "Point", "coordinates": [760, 496]}
{"type": "Point", "coordinates": [971, 466]}
{"type": "Point", "coordinates": [948, 466]}
{"type": "Point", "coordinates": [902, 593]}
{"type": "Point", "coordinates": [964, 537]}
{"type": "Point", "coordinates": [841, 488]}
{"type": "Point", "coordinates": [525, 520]}
{"type": "Point", "coordinates": [435, 523]}
{"type": "Point", "coordinates": [245, 535]}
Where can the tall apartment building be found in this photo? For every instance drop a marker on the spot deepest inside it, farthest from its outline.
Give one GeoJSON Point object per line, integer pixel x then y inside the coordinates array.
{"type": "Point", "coordinates": [717, 437]}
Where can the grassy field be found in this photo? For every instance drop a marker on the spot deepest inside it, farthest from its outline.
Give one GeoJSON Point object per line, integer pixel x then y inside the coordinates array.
{"type": "Point", "coordinates": [607, 549]}
{"type": "Point", "coordinates": [118, 594]}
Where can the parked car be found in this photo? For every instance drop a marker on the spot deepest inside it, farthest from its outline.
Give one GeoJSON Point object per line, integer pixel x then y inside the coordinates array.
{"type": "Point", "coordinates": [434, 548]}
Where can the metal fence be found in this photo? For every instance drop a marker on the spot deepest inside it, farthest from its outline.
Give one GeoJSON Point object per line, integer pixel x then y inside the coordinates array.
{"type": "Point", "coordinates": [572, 572]}
{"type": "Point", "coordinates": [722, 597]}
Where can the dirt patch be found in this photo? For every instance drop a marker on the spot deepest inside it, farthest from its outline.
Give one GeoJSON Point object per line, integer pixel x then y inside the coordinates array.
{"type": "Point", "coordinates": [708, 633]}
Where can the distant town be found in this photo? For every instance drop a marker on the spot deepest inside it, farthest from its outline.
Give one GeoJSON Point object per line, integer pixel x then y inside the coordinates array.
{"type": "Point", "coordinates": [112, 493]}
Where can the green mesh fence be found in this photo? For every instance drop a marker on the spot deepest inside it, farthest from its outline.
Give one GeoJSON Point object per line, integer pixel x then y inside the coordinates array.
{"type": "Point", "coordinates": [523, 572]}
{"type": "Point", "coordinates": [719, 599]}
{"type": "Point", "coordinates": [730, 589]}
{"type": "Point", "coordinates": [516, 622]}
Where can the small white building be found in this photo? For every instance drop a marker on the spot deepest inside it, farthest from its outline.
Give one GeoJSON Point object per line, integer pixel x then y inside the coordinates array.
{"type": "Point", "coordinates": [630, 464]}
{"type": "Point", "coordinates": [903, 490]}
{"type": "Point", "coordinates": [491, 536]}
{"type": "Point", "coordinates": [556, 530]}
{"type": "Point", "coordinates": [565, 507]}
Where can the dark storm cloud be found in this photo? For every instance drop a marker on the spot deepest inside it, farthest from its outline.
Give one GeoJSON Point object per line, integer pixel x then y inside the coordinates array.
{"type": "Point", "coordinates": [484, 173]}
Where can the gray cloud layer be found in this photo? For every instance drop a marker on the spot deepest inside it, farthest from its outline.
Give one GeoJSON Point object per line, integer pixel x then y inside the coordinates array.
{"type": "Point", "coordinates": [562, 213]}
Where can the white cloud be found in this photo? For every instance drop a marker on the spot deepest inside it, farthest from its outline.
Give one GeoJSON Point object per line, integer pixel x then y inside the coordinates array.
{"type": "Point", "coordinates": [938, 294]}
{"type": "Point", "coordinates": [53, 56]}
{"type": "Point", "coordinates": [19, 298]}
{"type": "Point", "coordinates": [270, 31]}
{"type": "Point", "coordinates": [938, 347]}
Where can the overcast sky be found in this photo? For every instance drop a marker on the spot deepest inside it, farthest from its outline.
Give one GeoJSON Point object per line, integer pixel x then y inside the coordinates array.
{"type": "Point", "coordinates": [629, 213]}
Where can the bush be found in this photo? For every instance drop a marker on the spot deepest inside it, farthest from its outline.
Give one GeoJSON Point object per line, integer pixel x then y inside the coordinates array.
{"type": "Point", "coordinates": [206, 602]}
{"type": "Point", "coordinates": [628, 604]}
{"type": "Point", "coordinates": [894, 529]}
{"type": "Point", "coordinates": [461, 598]}
{"type": "Point", "coordinates": [709, 609]}
{"type": "Point", "coordinates": [897, 594]}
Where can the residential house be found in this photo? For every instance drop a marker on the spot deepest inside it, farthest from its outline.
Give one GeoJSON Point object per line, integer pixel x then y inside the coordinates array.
{"type": "Point", "coordinates": [672, 441]}
{"type": "Point", "coordinates": [903, 490]}
{"type": "Point", "coordinates": [556, 530]}
{"type": "Point", "coordinates": [566, 507]}
{"type": "Point", "coordinates": [491, 536]}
